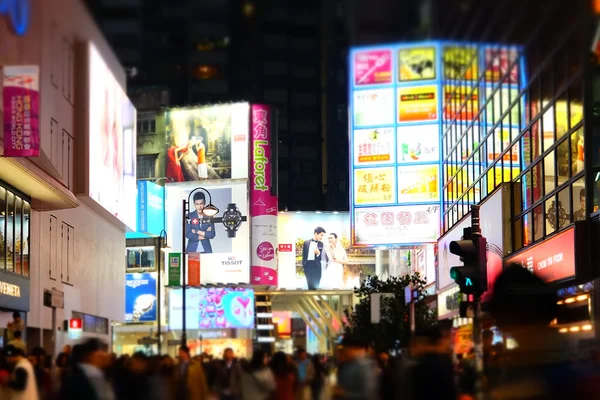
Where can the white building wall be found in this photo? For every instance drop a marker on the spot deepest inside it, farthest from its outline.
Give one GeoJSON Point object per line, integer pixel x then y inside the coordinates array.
{"type": "Point", "coordinates": [98, 264]}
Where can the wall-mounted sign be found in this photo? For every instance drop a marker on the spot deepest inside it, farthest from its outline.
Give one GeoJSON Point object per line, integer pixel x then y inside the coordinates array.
{"type": "Point", "coordinates": [396, 225]}
{"type": "Point", "coordinates": [150, 208]}
{"type": "Point", "coordinates": [552, 260]}
{"type": "Point", "coordinates": [374, 186]}
{"type": "Point", "coordinates": [14, 291]}
{"type": "Point", "coordinates": [373, 107]}
{"type": "Point", "coordinates": [418, 183]}
{"type": "Point", "coordinates": [174, 269]}
{"type": "Point", "coordinates": [460, 102]}
{"type": "Point", "coordinates": [461, 62]}
{"type": "Point", "coordinates": [418, 103]}
{"type": "Point", "coordinates": [140, 297]}
{"type": "Point", "coordinates": [419, 143]}
{"type": "Point", "coordinates": [374, 146]}
{"type": "Point", "coordinates": [75, 328]}
{"type": "Point", "coordinates": [372, 67]}
{"type": "Point", "coordinates": [416, 63]}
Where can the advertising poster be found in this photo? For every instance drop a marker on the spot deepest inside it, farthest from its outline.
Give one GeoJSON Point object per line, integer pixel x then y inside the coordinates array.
{"type": "Point", "coordinates": [416, 64]}
{"type": "Point", "coordinates": [460, 62]}
{"type": "Point", "coordinates": [193, 269]}
{"type": "Point", "coordinates": [552, 260]}
{"type": "Point", "coordinates": [212, 308]}
{"type": "Point", "coordinates": [374, 146]}
{"type": "Point", "coordinates": [373, 107]}
{"type": "Point", "coordinates": [460, 103]}
{"type": "Point", "coordinates": [207, 143]}
{"type": "Point", "coordinates": [497, 175]}
{"type": "Point", "coordinates": [151, 218]}
{"type": "Point", "coordinates": [374, 186]}
{"type": "Point", "coordinates": [396, 225]}
{"type": "Point", "coordinates": [460, 183]}
{"type": "Point", "coordinates": [418, 103]}
{"type": "Point", "coordinates": [174, 274]}
{"type": "Point", "coordinates": [112, 143]}
{"type": "Point", "coordinates": [21, 98]}
{"type": "Point", "coordinates": [499, 104]}
{"type": "Point", "coordinates": [418, 183]}
{"type": "Point", "coordinates": [224, 254]}
{"type": "Point", "coordinates": [497, 61]}
{"type": "Point", "coordinates": [373, 67]}
{"type": "Point", "coordinates": [342, 267]}
{"type": "Point", "coordinates": [140, 297]}
{"type": "Point", "coordinates": [500, 141]}
{"type": "Point", "coordinates": [419, 143]}
{"type": "Point", "coordinates": [263, 205]}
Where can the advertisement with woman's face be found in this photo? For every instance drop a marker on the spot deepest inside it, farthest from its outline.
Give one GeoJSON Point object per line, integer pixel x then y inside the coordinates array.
{"type": "Point", "coordinates": [112, 142]}
{"type": "Point", "coordinates": [314, 252]}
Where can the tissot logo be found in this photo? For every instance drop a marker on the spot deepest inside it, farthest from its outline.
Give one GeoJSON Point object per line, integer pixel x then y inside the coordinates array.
{"type": "Point", "coordinates": [17, 12]}
{"type": "Point", "coordinates": [231, 261]}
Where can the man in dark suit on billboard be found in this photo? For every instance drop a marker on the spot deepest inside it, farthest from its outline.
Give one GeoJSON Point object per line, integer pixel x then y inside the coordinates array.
{"type": "Point", "coordinates": [199, 230]}
{"type": "Point", "coordinates": [312, 255]}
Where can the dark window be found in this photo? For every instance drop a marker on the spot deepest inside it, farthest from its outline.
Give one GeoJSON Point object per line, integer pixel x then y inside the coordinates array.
{"type": "Point", "coordinates": [146, 166]}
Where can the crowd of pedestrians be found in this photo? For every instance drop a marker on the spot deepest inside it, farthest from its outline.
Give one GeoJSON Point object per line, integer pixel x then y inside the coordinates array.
{"type": "Point", "coordinates": [542, 367]}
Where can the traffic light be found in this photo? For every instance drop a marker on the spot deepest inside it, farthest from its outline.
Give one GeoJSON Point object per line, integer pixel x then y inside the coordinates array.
{"type": "Point", "coordinates": [471, 277]}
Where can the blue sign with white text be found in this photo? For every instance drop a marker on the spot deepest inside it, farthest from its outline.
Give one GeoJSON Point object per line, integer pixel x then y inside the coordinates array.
{"type": "Point", "coordinates": [151, 219]}
{"type": "Point", "coordinates": [140, 297]}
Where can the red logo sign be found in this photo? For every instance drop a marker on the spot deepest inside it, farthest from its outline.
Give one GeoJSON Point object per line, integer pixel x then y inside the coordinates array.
{"type": "Point", "coordinates": [285, 248]}
{"type": "Point", "coordinates": [239, 138]}
{"type": "Point", "coordinates": [75, 325]}
{"type": "Point", "coordinates": [552, 260]}
{"type": "Point", "coordinates": [195, 221]}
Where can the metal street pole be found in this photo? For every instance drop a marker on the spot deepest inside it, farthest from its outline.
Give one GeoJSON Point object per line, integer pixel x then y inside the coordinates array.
{"type": "Point", "coordinates": [159, 295]}
{"type": "Point", "coordinates": [184, 270]}
{"type": "Point", "coordinates": [476, 232]}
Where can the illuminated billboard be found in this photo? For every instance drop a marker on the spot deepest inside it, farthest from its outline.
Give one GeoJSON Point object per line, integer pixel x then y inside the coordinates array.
{"type": "Point", "coordinates": [207, 142]}
{"type": "Point", "coordinates": [407, 165]}
{"type": "Point", "coordinates": [338, 266]}
{"type": "Point", "coordinates": [214, 255]}
{"type": "Point", "coordinates": [112, 142]}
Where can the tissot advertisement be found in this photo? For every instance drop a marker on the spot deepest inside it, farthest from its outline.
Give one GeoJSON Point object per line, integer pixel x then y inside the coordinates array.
{"type": "Point", "coordinates": [314, 252]}
{"type": "Point", "coordinates": [140, 297]}
{"type": "Point", "coordinates": [217, 246]}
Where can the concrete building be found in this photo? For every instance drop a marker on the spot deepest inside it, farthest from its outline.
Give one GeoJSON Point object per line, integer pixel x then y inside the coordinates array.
{"type": "Point", "coordinates": [54, 235]}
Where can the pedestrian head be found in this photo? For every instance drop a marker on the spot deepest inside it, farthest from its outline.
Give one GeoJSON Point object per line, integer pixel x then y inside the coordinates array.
{"type": "Point", "coordinates": [228, 354]}
{"type": "Point", "coordinates": [12, 355]}
{"type": "Point", "coordinates": [279, 364]}
{"type": "Point", "coordinates": [184, 354]}
{"type": "Point", "coordinates": [17, 316]}
{"type": "Point", "coordinates": [92, 353]}
{"type": "Point", "coordinates": [18, 335]}
{"type": "Point", "coordinates": [259, 360]}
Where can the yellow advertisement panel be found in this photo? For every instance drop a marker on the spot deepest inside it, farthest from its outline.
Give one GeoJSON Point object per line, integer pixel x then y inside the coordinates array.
{"type": "Point", "coordinates": [418, 183]}
{"type": "Point", "coordinates": [374, 186]}
{"type": "Point", "coordinates": [416, 64]}
{"type": "Point", "coordinates": [459, 183]}
{"type": "Point", "coordinates": [496, 176]}
{"type": "Point", "coordinates": [460, 63]}
{"type": "Point", "coordinates": [454, 99]}
{"type": "Point", "coordinates": [418, 103]}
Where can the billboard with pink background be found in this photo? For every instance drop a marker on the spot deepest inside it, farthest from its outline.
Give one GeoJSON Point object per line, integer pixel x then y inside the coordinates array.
{"type": "Point", "coordinates": [263, 205]}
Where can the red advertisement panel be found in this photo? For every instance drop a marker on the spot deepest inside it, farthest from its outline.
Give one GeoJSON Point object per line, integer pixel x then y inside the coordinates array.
{"type": "Point", "coordinates": [551, 260]}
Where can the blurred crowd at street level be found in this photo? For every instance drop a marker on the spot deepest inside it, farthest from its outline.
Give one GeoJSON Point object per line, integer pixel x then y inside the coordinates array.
{"type": "Point", "coordinates": [541, 367]}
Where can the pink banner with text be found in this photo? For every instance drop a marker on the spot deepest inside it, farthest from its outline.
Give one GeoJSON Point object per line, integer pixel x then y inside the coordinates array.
{"type": "Point", "coordinates": [263, 205]}
{"type": "Point", "coordinates": [21, 93]}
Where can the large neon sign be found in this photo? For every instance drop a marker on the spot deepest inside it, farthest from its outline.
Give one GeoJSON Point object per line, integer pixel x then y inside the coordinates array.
{"type": "Point", "coordinates": [17, 12]}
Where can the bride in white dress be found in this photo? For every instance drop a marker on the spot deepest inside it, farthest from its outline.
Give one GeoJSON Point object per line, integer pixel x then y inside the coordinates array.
{"type": "Point", "coordinates": [333, 275]}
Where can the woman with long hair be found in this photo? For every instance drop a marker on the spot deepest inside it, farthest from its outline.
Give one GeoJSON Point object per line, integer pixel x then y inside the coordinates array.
{"type": "Point", "coordinates": [285, 378]}
{"type": "Point", "coordinates": [333, 275]}
{"type": "Point", "coordinates": [258, 382]}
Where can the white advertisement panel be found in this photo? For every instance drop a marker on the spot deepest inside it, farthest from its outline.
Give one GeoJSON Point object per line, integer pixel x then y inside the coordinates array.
{"type": "Point", "coordinates": [396, 225]}
{"type": "Point", "coordinates": [420, 143]}
{"type": "Point", "coordinates": [341, 266]}
{"type": "Point", "coordinates": [221, 257]}
{"type": "Point", "coordinates": [374, 147]}
{"type": "Point", "coordinates": [374, 107]}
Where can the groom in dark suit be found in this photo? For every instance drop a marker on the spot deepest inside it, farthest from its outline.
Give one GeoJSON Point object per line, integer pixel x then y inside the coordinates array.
{"type": "Point", "coordinates": [312, 255]}
{"type": "Point", "coordinates": [199, 230]}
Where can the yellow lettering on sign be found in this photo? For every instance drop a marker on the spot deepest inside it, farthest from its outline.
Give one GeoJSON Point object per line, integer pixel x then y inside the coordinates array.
{"type": "Point", "coordinates": [8, 289]}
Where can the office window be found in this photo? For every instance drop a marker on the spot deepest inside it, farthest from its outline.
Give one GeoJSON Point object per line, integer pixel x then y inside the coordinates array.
{"type": "Point", "coordinates": [206, 72]}
{"type": "Point", "coordinates": [67, 239]}
{"type": "Point", "coordinates": [53, 247]}
{"type": "Point", "coordinates": [146, 123]}
{"type": "Point", "coordinates": [146, 166]}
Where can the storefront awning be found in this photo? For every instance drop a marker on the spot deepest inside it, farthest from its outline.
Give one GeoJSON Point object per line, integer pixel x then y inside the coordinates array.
{"type": "Point", "coordinates": [46, 193]}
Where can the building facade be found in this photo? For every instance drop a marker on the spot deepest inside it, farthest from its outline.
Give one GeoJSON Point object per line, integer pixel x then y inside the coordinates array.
{"type": "Point", "coordinates": [54, 235]}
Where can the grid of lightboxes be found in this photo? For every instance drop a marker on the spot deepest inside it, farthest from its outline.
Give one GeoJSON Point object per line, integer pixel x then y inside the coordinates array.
{"type": "Point", "coordinates": [405, 101]}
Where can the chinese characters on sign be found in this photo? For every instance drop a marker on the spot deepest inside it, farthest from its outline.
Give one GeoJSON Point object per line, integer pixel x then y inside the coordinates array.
{"type": "Point", "coordinates": [373, 67]}
{"type": "Point", "coordinates": [21, 111]}
{"type": "Point", "coordinates": [417, 103]}
{"type": "Point", "coordinates": [418, 143]}
{"type": "Point", "coordinates": [373, 107]}
{"type": "Point", "coordinates": [374, 146]}
{"type": "Point", "coordinates": [418, 183]}
{"type": "Point", "coordinates": [374, 186]}
{"type": "Point", "coordinates": [397, 224]}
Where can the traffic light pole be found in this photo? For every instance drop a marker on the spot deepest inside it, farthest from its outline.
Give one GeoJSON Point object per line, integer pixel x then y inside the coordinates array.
{"type": "Point", "coordinates": [477, 340]}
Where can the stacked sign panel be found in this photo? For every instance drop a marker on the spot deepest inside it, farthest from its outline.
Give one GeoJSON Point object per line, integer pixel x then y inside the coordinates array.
{"type": "Point", "coordinates": [395, 144]}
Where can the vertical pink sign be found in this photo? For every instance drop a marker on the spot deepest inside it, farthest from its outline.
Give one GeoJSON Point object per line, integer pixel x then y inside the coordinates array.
{"type": "Point", "coordinates": [263, 205]}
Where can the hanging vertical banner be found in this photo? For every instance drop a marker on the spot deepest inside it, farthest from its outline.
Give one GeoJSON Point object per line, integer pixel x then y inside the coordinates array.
{"type": "Point", "coordinates": [263, 205]}
{"type": "Point", "coordinates": [21, 93]}
{"type": "Point", "coordinates": [175, 269]}
{"type": "Point", "coordinates": [193, 270]}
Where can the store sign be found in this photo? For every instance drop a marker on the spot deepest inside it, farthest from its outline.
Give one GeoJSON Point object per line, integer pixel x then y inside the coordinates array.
{"type": "Point", "coordinates": [374, 146]}
{"type": "Point", "coordinates": [418, 184]}
{"type": "Point", "coordinates": [17, 12]}
{"type": "Point", "coordinates": [455, 97]}
{"type": "Point", "coordinates": [75, 326]}
{"type": "Point", "coordinates": [418, 103]}
{"type": "Point", "coordinates": [174, 269]}
{"type": "Point", "coordinates": [419, 143]}
{"type": "Point", "coordinates": [374, 186]}
{"type": "Point", "coordinates": [396, 225]}
{"type": "Point", "coordinates": [140, 297]}
{"type": "Point", "coordinates": [150, 208]}
{"type": "Point", "coordinates": [552, 260]}
{"type": "Point", "coordinates": [14, 292]}
{"type": "Point", "coordinates": [373, 67]}
{"type": "Point", "coordinates": [263, 205]}
{"type": "Point", "coordinates": [417, 63]}
{"type": "Point", "coordinates": [448, 302]}
{"type": "Point", "coordinates": [373, 107]}
{"type": "Point", "coordinates": [21, 97]}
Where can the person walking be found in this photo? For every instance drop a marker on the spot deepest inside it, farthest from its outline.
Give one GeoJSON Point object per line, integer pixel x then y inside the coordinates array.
{"type": "Point", "coordinates": [190, 380]}
{"type": "Point", "coordinates": [20, 384]}
{"type": "Point", "coordinates": [258, 382]}
{"type": "Point", "coordinates": [285, 378]}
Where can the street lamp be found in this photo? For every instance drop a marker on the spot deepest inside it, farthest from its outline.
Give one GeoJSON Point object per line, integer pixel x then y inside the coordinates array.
{"type": "Point", "coordinates": [231, 220]}
{"type": "Point", "coordinates": [164, 247]}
